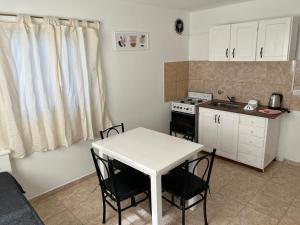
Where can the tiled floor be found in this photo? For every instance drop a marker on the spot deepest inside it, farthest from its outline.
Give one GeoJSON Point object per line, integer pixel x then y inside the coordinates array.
{"type": "Point", "coordinates": [240, 196]}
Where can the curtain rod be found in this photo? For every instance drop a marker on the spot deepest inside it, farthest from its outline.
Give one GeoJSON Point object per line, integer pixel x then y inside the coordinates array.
{"type": "Point", "coordinates": [41, 17]}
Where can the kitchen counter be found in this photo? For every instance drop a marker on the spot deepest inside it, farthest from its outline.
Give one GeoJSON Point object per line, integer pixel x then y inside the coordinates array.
{"type": "Point", "coordinates": [240, 110]}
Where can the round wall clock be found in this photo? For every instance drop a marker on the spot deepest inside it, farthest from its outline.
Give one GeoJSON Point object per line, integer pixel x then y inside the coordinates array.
{"type": "Point", "coordinates": [179, 26]}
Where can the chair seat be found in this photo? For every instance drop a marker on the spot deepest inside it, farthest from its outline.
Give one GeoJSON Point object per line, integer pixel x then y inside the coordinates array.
{"type": "Point", "coordinates": [174, 184]}
{"type": "Point", "coordinates": [120, 166]}
{"type": "Point", "coordinates": [129, 183]}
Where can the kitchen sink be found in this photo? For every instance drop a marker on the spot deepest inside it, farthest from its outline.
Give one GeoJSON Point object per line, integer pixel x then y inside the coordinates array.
{"type": "Point", "coordinates": [225, 105]}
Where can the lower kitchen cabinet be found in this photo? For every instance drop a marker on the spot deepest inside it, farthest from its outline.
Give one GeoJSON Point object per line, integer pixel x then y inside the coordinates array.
{"type": "Point", "coordinates": [247, 139]}
{"type": "Point", "coordinates": [219, 130]}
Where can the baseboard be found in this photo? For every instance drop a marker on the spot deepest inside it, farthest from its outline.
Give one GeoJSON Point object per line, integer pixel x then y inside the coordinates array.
{"type": "Point", "coordinates": [66, 185]}
{"type": "Point", "coordinates": [294, 163]}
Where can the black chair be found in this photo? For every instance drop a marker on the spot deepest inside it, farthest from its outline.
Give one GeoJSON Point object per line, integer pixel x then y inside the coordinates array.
{"type": "Point", "coordinates": [120, 186]}
{"type": "Point", "coordinates": [116, 130]}
{"type": "Point", "coordinates": [186, 185]}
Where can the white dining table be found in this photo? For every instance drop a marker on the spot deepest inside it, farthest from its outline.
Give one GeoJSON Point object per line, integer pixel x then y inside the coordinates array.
{"type": "Point", "coordinates": [152, 153]}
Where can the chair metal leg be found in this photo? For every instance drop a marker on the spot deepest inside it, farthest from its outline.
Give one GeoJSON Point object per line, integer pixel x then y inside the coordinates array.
{"type": "Point", "coordinates": [119, 213]}
{"type": "Point", "coordinates": [133, 202]}
{"type": "Point", "coordinates": [183, 211]}
{"type": "Point", "coordinates": [204, 208]}
{"type": "Point", "coordinates": [150, 205]}
{"type": "Point", "coordinates": [103, 210]}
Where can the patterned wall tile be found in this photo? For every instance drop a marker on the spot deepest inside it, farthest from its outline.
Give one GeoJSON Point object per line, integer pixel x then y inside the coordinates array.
{"type": "Point", "coordinates": [176, 76]}
{"type": "Point", "coordinates": [244, 80]}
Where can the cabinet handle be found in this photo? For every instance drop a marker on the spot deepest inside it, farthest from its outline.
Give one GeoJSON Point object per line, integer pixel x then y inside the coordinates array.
{"type": "Point", "coordinates": [219, 119]}
{"type": "Point", "coordinates": [233, 52]}
{"type": "Point", "coordinates": [261, 52]}
{"type": "Point", "coordinates": [216, 118]}
{"type": "Point", "coordinates": [227, 52]}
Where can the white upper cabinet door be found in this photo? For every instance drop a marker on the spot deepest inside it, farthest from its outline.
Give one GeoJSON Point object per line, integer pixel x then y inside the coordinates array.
{"type": "Point", "coordinates": [208, 128]}
{"type": "Point", "coordinates": [219, 43]}
{"type": "Point", "coordinates": [276, 39]}
{"type": "Point", "coordinates": [243, 41]}
{"type": "Point", "coordinates": [228, 132]}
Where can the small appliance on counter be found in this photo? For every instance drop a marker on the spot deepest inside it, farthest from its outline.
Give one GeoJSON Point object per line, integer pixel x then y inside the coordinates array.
{"type": "Point", "coordinates": [275, 101]}
{"type": "Point", "coordinates": [252, 105]}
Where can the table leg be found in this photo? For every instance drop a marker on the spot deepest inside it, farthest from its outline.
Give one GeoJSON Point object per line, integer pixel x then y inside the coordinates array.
{"type": "Point", "coordinates": [102, 167]}
{"type": "Point", "coordinates": [156, 200]}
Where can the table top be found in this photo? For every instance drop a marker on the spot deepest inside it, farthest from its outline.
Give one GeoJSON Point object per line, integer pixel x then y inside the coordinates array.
{"type": "Point", "coordinates": [149, 151]}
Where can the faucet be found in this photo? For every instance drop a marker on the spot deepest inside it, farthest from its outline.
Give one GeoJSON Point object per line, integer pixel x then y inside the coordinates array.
{"type": "Point", "coordinates": [231, 99]}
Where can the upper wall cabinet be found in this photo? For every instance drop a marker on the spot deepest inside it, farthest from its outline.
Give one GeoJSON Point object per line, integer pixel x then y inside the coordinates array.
{"type": "Point", "coordinates": [277, 39]}
{"type": "Point", "coordinates": [219, 43]}
{"type": "Point", "coordinates": [266, 40]}
{"type": "Point", "coordinates": [243, 41]}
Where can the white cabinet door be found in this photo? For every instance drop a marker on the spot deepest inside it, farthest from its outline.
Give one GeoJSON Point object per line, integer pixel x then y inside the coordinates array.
{"type": "Point", "coordinates": [228, 127]}
{"type": "Point", "coordinates": [274, 38]}
{"type": "Point", "coordinates": [208, 128]}
{"type": "Point", "coordinates": [219, 43]}
{"type": "Point", "coordinates": [243, 41]}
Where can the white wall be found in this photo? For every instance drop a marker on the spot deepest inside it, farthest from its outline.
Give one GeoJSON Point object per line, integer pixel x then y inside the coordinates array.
{"type": "Point", "coordinates": [201, 21]}
{"type": "Point", "coordinates": [134, 80]}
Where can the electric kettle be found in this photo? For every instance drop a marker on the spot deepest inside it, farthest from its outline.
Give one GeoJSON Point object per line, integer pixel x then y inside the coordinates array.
{"type": "Point", "coordinates": [275, 101]}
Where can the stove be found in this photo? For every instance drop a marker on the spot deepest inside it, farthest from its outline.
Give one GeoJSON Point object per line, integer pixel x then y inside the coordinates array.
{"type": "Point", "coordinates": [190, 103]}
{"type": "Point", "coordinates": [184, 115]}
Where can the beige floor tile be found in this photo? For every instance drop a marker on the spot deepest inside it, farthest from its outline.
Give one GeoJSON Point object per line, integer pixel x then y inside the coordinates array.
{"type": "Point", "coordinates": [283, 177]}
{"type": "Point", "coordinates": [269, 205]}
{"type": "Point", "coordinates": [220, 205]}
{"type": "Point", "coordinates": [63, 218]}
{"type": "Point", "coordinates": [48, 207]}
{"type": "Point", "coordinates": [217, 182]}
{"type": "Point", "coordinates": [291, 169]}
{"type": "Point", "coordinates": [89, 209]}
{"type": "Point", "coordinates": [292, 217]}
{"type": "Point", "coordinates": [296, 202]}
{"type": "Point", "coordinates": [286, 192]}
{"type": "Point", "coordinates": [252, 217]}
{"type": "Point", "coordinates": [78, 193]}
{"type": "Point", "coordinates": [240, 196]}
{"type": "Point", "coordinates": [241, 192]}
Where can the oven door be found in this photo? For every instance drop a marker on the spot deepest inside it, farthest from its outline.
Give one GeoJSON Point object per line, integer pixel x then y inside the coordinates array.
{"type": "Point", "coordinates": [183, 124]}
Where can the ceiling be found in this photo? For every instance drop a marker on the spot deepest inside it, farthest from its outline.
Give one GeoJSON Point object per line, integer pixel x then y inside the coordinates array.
{"type": "Point", "coordinates": [188, 5]}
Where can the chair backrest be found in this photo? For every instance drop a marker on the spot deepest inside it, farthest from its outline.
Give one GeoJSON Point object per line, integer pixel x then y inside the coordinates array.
{"type": "Point", "coordinates": [109, 187]}
{"type": "Point", "coordinates": [115, 129]}
{"type": "Point", "coordinates": [208, 159]}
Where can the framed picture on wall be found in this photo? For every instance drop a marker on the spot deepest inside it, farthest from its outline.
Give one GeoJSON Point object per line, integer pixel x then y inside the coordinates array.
{"type": "Point", "coordinates": [131, 40]}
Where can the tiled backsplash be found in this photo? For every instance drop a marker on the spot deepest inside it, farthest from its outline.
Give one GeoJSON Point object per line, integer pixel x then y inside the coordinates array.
{"type": "Point", "coordinates": [244, 80]}
{"type": "Point", "coordinates": [176, 80]}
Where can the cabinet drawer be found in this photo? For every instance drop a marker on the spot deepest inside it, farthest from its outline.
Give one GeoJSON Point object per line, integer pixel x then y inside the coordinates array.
{"type": "Point", "coordinates": [250, 160]}
{"type": "Point", "coordinates": [252, 131]}
{"type": "Point", "coordinates": [252, 121]}
{"type": "Point", "coordinates": [250, 150]}
{"type": "Point", "coordinates": [251, 140]}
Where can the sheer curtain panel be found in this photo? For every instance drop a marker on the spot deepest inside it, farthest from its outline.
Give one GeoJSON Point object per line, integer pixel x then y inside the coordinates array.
{"type": "Point", "coordinates": [51, 89]}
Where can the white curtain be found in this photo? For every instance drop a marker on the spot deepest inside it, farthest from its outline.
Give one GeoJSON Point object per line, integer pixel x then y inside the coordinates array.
{"type": "Point", "coordinates": [51, 88]}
